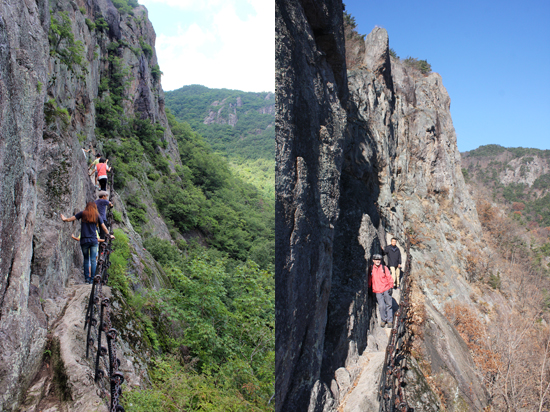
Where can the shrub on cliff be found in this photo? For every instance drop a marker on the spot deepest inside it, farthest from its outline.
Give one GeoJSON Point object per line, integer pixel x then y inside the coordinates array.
{"type": "Point", "coordinates": [126, 6]}
{"type": "Point", "coordinates": [421, 65]}
{"type": "Point", "coordinates": [355, 42]}
{"type": "Point", "coordinates": [63, 44]}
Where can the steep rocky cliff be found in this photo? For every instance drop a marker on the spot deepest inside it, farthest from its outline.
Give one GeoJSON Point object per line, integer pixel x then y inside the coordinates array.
{"type": "Point", "coordinates": [310, 126]}
{"type": "Point", "coordinates": [54, 58]}
{"type": "Point", "coordinates": [388, 166]}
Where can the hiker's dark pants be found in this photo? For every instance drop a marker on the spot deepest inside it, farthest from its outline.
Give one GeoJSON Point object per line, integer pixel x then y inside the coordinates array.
{"type": "Point", "coordinates": [385, 306]}
{"type": "Point", "coordinates": [103, 183]}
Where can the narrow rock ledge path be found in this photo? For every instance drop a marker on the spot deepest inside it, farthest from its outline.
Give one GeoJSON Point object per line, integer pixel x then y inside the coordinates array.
{"type": "Point", "coordinates": [363, 395]}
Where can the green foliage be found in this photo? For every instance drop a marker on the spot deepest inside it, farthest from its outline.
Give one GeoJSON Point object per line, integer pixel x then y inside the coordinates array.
{"type": "Point", "coordinates": [82, 10]}
{"type": "Point", "coordinates": [39, 86]}
{"type": "Point", "coordinates": [126, 6]}
{"type": "Point", "coordinates": [117, 216]}
{"type": "Point", "coordinates": [253, 137]}
{"type": "Point", "coordinates": [137, 211]}
{"type": "Point", "coordinates": [466, 175]}
{"type": "Point", "coordinates": [119, 258]}
{"type": "Point", "coordinates": [393, 54]}
{"type": "Point", "coordinates": [351, 25]}
{"type": "Point", "coordinates": [179, 388]}
{"type": "Point", "coordinates": [540, 208]}
{"type": "Point", "coordinates": [514, 192]}
{"type": "Point", "coordinates": [422, 65]}
{"type": "Point", "coordinates": [487, 150]}
{"type": "Point", "coordinates": [495, 281]}
{"type": "Point", "coordinates": [101, 25]}
{"type": "Point", "coordinates": [204, 195]}
{"type": "Point", "coordinates": [542, 182]}
{"type": "Point", "coordinates": [156, 73]}
{"type": "Point", "coordinates": [227, 317]}
{"type": "Point", "coordinates": [541, 253]}
{"type": "Point", "coordinates": [147, 49]}
{"type": "Point", "coordinates": [259, 173]}
{"type": "Point", "coordinates": [63, 45]}
{"type": "Point", "coordinates": [52, 112]}
{"type": "Point", "coordinates": [249, 145]}
{"type": "Point", "coordinates": [111, 122]}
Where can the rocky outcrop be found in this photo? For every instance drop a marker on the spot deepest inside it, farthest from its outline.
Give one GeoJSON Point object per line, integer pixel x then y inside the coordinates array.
{"type": "Point", "coordinates": [47, 115]}
{"type": "Point", "coordinates": [390, 166]}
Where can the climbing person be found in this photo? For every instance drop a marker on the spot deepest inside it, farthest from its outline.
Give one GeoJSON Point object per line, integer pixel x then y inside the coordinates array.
{"type": "Point", "coordinates": [102, 170]}
{"type": "Point", "coordinates": [88, 240]}
{"type": "Point", "coordinates": [77, 238]}
{"type": "Point", "coordinates": [86, 151]}
{"type": "Point", "coordinates": [394, 261]}
{"type": "Point", "coordinates": [91, 170]}
{"type": "Point", "coordinates": [102, 204]}
{"type": "Point", "coordinates": [381, 282]}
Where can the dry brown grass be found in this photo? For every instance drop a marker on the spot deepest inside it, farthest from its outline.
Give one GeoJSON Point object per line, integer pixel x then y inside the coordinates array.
{"type": "Point", "coordinates": [512, 351]}
{"type": "Point", "coordinates": [473, 332]}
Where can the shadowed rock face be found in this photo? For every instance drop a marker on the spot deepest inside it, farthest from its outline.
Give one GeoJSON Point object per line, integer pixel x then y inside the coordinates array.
{"type": "Point", "coordinates": [388, 165]}
{"type": "Point", "coordinates": [310, 126]}
{"type": "Point", "coordinates": [43, 169]}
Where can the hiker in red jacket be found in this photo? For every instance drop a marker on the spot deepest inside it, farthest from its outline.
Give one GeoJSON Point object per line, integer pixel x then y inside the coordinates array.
{"type": "Point", "coordinates": [381, 282]}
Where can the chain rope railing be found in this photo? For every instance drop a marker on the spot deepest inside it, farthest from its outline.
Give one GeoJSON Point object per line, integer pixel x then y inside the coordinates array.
{"type": "Point", "coordinates": [391, 392]}
{"type": "Point", "coordinates": [98, 323]}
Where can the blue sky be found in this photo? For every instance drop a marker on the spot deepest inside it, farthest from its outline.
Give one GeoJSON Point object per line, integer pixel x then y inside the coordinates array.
{"type": "Point", "coordinates": [494, 58]}
{"type": "Point", "coordinates": [217, 43]}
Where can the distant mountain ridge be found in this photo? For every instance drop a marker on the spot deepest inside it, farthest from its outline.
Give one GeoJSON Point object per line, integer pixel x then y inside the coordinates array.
{"type": "Point", "coordinates": [234, 122]}
{"type": "Point", "coordinates": [513, 175]}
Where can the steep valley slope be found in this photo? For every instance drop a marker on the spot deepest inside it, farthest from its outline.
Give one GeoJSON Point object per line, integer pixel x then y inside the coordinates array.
{"type": "Point", "coordinates": [238, 125]}
{"type": "Point", "coordinates": [191, 270]}
{"type": "Point", "coordinates": [364, 154]}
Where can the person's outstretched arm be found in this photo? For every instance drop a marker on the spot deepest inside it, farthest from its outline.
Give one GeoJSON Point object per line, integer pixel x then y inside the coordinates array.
{"type": "Point", "coordinates": [105, 230]}
{"type": "Point", "coordinates": [67, 219]}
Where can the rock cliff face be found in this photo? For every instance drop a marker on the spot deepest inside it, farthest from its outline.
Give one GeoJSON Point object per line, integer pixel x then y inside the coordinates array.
{"type": "Point", "coordinates": [388, 166]}
{"type": "Point", "coordinates": [48, 112]}
{"type": "Point", "coordinates": [310, 127]}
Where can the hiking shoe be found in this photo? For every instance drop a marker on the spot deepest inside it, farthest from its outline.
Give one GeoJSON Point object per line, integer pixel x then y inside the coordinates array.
{"type": "Point", "coordinates": [390, 325]}
{"type": "Point", "coordinates": [382, 324]}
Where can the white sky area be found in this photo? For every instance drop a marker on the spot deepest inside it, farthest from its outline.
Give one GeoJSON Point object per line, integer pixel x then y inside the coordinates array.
{"type": "Point", "coordinates": [216, 43]}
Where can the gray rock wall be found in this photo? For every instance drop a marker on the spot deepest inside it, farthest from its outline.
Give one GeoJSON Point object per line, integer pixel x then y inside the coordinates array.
{"type": "Point", "coordinates": [23, 66]}
{"type": "Point", "coordinates": [310, 127]}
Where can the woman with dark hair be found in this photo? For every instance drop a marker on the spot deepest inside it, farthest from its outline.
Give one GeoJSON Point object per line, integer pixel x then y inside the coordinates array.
{"type": "Point", "coordinates": [102, 170]}
{"type": "Point", "coordinates": [88, 236]}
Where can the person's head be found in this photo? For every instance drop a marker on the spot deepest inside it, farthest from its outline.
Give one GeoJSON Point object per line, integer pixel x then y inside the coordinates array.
{"type": "Point", "coordinates": [393, 241]}
{"type": "Point", "coordinates": [90, 213]}
{"type": "Point", "coordinates": [102, 160]}
{"type": "Point", "coordinates": [103, 194]}
{"type": "Point", "coordinates": [97, 155]}
{"type": "Point", "coordinates": [376, 259]}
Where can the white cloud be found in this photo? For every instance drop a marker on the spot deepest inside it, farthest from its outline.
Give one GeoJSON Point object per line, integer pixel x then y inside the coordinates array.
{"type": "Point", "coordinates": [185, 4]}
{"type": "Point", "coordinates": [227, 52]}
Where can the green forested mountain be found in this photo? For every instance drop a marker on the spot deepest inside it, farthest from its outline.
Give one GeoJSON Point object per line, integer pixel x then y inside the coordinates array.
{"type": "Point", "coordinates": [239, 125]}
{"type": "Point", "coordinates": [519, 177]}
